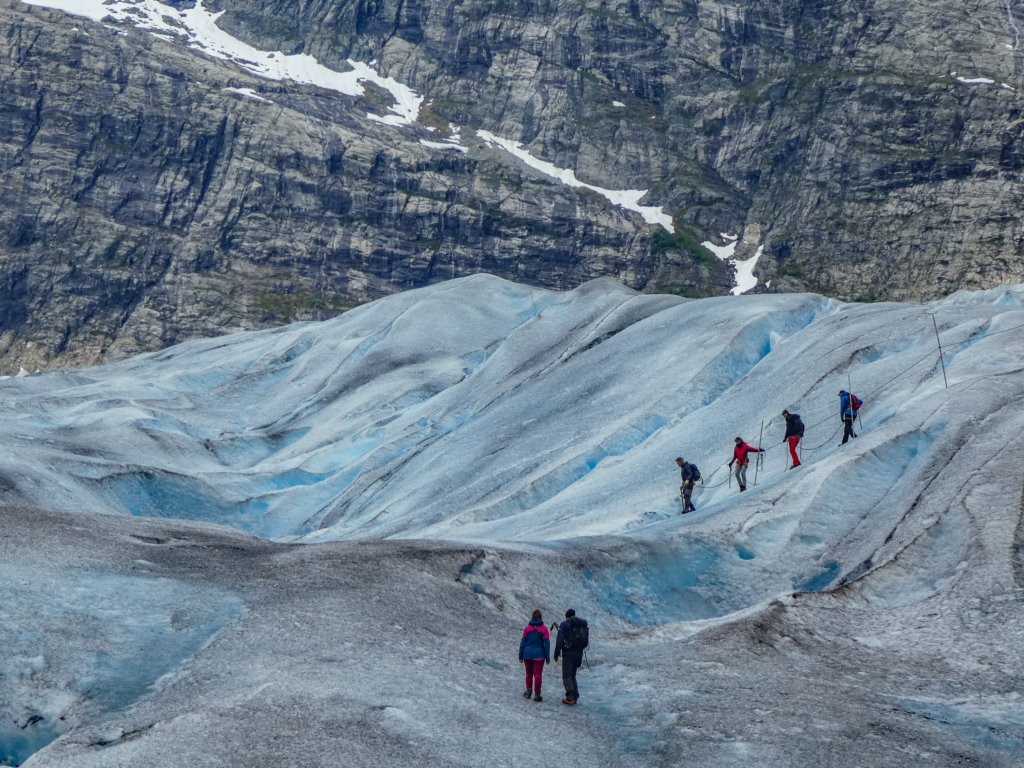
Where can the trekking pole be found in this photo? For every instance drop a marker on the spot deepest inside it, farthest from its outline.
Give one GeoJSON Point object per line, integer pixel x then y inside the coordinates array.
{"type": "Point", "coordinates": [856, 413]}
{"type": "Point", "coordinates": [941, 360]}
{"type": "Point", "coordinates": [760, 454]}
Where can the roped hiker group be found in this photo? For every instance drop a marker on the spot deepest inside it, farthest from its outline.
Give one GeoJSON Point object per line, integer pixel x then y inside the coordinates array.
{"type": "Point", "coordinates": [535, 651]}
{"type": "Point", "coordinates": [849, 407]}
{"type": "Point", "coordinates": [574, 634]}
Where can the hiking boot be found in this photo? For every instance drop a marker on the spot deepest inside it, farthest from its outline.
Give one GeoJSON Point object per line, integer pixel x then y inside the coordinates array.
{"type": "Point", "coordinates": [795, 465]}
{"type": "Point", "coordinates": [743, 487]}
{"type": "Point", "coordinates": [527, 694]}
{"type": "Point", "coordinates": [538, 697]}
{"type": "Point", "coordinates": [567, 700]}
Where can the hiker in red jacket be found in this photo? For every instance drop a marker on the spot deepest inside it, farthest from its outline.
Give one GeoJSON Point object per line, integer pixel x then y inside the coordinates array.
{"type": "Point", "coordinates": [740, 458]}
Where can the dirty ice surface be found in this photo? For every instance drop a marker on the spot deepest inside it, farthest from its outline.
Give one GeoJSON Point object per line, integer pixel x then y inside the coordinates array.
{"type": "Point", "coordinates": [317, 545]}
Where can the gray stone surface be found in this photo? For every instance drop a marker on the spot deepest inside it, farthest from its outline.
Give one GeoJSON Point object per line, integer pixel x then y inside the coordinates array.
{"type": "Point", "coordinates": [142, 204]}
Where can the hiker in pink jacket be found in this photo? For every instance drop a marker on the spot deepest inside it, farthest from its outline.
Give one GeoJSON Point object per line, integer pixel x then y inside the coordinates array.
{"type": "Point", "coordinates": [535, 652]}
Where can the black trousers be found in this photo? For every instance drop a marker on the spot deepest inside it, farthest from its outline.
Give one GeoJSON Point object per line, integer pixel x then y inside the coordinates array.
{"type": "Point", "coordinates": [571, 662]}
{"type": "Point", "coordinates": [687, 493]}
{"type": "Point", "coordinates": [848, 427]}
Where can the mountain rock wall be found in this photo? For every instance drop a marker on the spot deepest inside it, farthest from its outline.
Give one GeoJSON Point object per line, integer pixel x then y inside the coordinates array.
{"type": "Point", "coordinates": [153, 193]}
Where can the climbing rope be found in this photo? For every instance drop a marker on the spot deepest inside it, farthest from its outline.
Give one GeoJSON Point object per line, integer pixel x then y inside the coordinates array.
{"type": "Point", "coordinates": [831, 438]}
{"type": "Point", "coordinates": [943, 345]}
{"type": "Point", "coordinates": [728, 478]}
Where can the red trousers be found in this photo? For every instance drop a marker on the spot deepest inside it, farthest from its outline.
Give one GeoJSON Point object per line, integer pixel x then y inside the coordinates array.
{"type": "Point", "coordinates": [794, 440]}
{"type": "Point", "coordinates": [534, 672]}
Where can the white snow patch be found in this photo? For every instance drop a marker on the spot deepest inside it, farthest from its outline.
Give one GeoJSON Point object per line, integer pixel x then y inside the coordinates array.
{"type": "Point", "coordinates": [199, 27]}
{"type": "Point", "coordinates": [248, 92]}
{"type": "Point", "coordinates": [625, 198]}
{"type": "Point", "coordinates": [745, 279]}
{"type": "Point", "coordinates": [724, 252]}
{"type": "Point", "coordinates": [618, 104]}
{"type": "Point", "coordinates": [443, 145]}
{"type": "Point", "coordinates": [452, 142]}
{"type": "Point", "coordinates": [978, 81]}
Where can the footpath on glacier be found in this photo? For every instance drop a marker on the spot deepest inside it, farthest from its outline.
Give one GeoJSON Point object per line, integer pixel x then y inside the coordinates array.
{"type": "Point", "coordinates": [320, 543]}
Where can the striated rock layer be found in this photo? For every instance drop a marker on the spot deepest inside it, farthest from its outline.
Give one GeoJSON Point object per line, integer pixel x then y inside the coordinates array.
{"type": "Point", "coordinates": [154, 193]}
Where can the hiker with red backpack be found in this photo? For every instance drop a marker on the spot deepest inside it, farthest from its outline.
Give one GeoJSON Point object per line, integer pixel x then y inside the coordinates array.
{"type": "Point", "coordinates": [741, 459]}
{"type": "Point", "coordinates": [534, 653]}
{"type": "Point", "coordinates": [794, 433]}
{"type": "Point", "coordinates": [849, 404]}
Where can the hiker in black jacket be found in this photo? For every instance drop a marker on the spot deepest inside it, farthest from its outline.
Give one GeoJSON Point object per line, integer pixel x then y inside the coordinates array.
{"type": "Point", "coordinates": [794, 433]}
{"type": "Point", "coordinates": [573, 638]}
{"type": "Point", "coordinates": [690, 476]}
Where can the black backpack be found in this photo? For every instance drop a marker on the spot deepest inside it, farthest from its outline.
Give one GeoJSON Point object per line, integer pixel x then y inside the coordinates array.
{"type": "Point", "coordinates": [694, 473]}
{"type": "Point", "coordinates": [577, 635]}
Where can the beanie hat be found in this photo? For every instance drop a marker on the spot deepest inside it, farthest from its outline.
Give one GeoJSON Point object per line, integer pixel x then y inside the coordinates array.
{"type": "Point", "coordinates": [570, 613]}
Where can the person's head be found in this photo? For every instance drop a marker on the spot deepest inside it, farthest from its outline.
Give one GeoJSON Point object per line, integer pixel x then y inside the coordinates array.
{"type": "Point", "coordinates": [842, 392]}
{"type": "Point", "coordinates": [785, 414]}
{"type": "Point", "coordinates": [739, 440]}
{"type": "Point", "coordinates": [536, 614]}
{"type": "Point", "coordinates": [679, 461]}
{"type": "Point", "coordinates": [570, 613]}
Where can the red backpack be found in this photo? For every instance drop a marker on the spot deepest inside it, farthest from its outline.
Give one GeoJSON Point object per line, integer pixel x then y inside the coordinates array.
{"type": "Point", "coordinates": [855, 402]}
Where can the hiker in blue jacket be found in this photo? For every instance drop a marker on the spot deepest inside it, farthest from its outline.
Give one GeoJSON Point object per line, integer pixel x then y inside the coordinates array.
{"type": "Point", "coordinates": [534, 653]}
{"type": "Point", "coordinates": [849, 404]}
{"type": "Point", "coordinates": [690, 475]}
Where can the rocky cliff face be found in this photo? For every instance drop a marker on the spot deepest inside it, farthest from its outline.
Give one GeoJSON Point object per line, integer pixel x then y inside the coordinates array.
{"type": "Point", "coordinates": [154, 191]}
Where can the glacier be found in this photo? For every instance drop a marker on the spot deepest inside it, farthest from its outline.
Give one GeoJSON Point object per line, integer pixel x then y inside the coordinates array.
{"type": "Point", "coordinates": [318, 543]}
